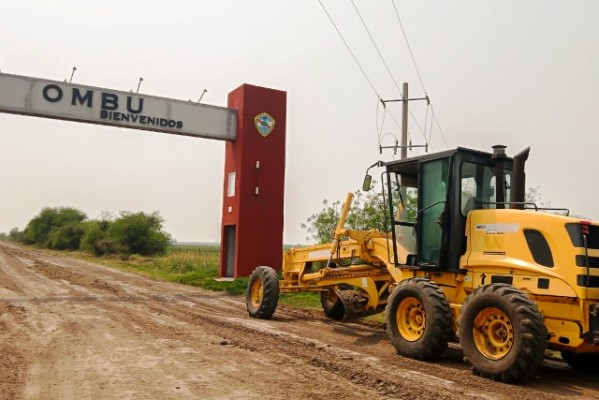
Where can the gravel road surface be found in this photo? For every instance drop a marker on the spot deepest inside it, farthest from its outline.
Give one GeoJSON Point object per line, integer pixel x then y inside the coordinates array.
{"type": "Point", "coordinates": [72, 329]}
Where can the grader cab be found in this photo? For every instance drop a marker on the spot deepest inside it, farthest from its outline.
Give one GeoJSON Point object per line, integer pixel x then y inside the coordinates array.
{"type": "Point", "coordinates": [464, 258]}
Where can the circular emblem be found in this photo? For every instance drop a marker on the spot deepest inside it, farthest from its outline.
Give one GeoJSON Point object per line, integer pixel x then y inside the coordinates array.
{"type": "Point", "coordinates": [264, 123]}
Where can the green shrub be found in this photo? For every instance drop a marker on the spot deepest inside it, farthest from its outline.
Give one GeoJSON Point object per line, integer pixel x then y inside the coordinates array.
{"type": "Point", "coordinates": [139, 233]}
{"type": "Point", "coordinates": [66, 237]}
{"type": "Point", "coordinates": [63, 228]}
{"type": "Point", "coordinates": [45, 228]}
{"type": "Point", "coordinates": [95, 239]}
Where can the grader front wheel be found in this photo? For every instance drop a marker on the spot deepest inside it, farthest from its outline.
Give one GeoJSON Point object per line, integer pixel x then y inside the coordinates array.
{"type": "Point", "coordinates": [502, 333]}
{"type": "Point", "coordinates": [419, 319]}
{"type": "Point", "coordinates": [262, 295]}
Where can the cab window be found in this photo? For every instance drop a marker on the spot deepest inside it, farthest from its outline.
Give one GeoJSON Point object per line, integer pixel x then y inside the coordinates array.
{"type": "Point", "coordinates": [478, 187]}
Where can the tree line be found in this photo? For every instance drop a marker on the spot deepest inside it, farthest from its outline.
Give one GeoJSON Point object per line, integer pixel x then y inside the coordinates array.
{"type": "Point", "coordinates": [67, 228]}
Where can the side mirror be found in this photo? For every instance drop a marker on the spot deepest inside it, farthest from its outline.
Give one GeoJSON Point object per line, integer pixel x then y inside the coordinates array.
{"type": "Point", "coordinates": [367, 183]}
{"type": "Point", "coordinates": [368, 178]}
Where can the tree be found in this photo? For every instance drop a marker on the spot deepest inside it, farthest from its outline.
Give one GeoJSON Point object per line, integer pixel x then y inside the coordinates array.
{"type": "Point", "coordinates": [139, 233]}
{"type": "Point", "coordinates": [56, 228]}
{"type": "Point", "coordinates": [15, 235]}
{"type": "Point", "coordinates": [368, 211]}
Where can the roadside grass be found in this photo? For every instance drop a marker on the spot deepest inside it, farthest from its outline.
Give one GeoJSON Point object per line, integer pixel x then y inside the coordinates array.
{"type": "Point", "coordinates": [188, 265]}
{"type": "Point", "coordinates": [192, 268]}
{"type": "Point", "coordinates": [301, 300]}
{"type": "Point", "coordinates": [200, 269]}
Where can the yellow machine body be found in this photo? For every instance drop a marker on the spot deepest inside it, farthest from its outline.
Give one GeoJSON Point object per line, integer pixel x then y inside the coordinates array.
{"type": "Point", "coordinates": [505, 277]}
{"type": "Point", "coordinates": [496, 252]}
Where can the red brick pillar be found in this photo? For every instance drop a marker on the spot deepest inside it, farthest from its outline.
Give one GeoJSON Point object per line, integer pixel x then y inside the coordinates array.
{"type": "Point", "coordinates": [254, 182]}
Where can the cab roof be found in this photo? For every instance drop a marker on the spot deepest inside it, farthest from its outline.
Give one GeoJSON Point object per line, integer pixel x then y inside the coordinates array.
{"type": "Point", "coordinates": [410, 165]}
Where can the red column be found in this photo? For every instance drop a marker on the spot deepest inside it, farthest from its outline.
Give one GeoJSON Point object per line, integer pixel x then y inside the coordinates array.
{"type": "Point", "coordinates": [254, 182]}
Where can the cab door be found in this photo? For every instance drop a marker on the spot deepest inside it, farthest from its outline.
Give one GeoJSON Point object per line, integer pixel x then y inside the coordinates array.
{"type": "Point", "coordinates": [432, 213]}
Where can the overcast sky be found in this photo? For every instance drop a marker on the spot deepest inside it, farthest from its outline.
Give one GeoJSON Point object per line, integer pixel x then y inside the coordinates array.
{"type": "Point", "coordinates": [519, 73]}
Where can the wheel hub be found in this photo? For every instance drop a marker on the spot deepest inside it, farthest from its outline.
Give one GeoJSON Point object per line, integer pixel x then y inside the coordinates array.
{"type": "Point", "coordinates": [493, 333]}
{"type": "Point", "coordinates": [411, 319]}
{"type": "Point", "coordinates": [256, 293]}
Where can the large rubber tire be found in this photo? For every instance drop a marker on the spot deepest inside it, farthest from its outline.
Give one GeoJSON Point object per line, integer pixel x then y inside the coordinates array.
{"type": "Point", "coordinates": [502, 333]}
{"type": "Point", "coordinates": [586, 362]}
{"type": "Point", "coordinates": [262, 295]}
{"type": "Point", "coordinates": [331, 303]}
{"type": "Point", "coordinates": [419, 319]}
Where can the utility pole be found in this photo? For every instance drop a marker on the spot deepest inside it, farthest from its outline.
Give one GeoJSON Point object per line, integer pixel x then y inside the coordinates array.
{"type": "Point", "coordinates": [404, 122]}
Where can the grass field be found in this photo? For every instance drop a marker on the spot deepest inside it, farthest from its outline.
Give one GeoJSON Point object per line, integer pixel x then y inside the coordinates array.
{"type": "Point", "coordinates": [196, 265]}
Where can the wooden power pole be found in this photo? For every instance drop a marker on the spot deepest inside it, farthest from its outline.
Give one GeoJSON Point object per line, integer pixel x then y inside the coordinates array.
{"type": "Point", "coordinates": [404, 122]}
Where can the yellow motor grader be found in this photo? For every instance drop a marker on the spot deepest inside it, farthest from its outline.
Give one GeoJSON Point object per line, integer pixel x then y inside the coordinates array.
{"type": "Point", "coordinates": [474, 263]}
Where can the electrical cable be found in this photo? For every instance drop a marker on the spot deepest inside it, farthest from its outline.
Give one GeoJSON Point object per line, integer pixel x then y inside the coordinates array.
{"type": "Point", "coordinates": [376, 47]}
{"type": "Point", "coordinates": [439, 126]}
{"type": "Point", "coordinates": [379, 131]}
{"type": "Point", "coordinates": [409, 47]}
{"type": "Point", "coordinates": [349, 49]}
{"type": "Point", "coordinates": [418, 71]}
{"type": "Point", "coordinates": [356, 59]}
{"type": "Point", "coordinates": [386, 65]}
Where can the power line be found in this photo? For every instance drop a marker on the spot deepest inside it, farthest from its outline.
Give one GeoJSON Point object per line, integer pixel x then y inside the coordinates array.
{"type": "Point", "coordinates": [439, 126]}
{"type": "Point", "coordinates": [376, 47]}
{"type": "Point", "coordinates": [386, 66]}
{"type": "Point", "coordinates": [409, 47]}
{"type": "Point", "coordinates": [418, 70]}
{"type": "Point", "coordinates": [349, 49]}
{"type": "Point", "coordinates": [355, 59]}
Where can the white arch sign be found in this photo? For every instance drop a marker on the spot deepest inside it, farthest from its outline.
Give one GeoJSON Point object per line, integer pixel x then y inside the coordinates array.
{"type": "Point", "coordinates": [73, 102]}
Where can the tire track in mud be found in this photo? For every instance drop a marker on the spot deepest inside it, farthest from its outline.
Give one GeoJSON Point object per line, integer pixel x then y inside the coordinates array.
{"type": "Point", "coordinates": [12, 360]}
{"type": "Point", "coordinates": [167, 312]}
{"type": "Point", "coordinates": [253, 337]}
{"type": "Point", "coordinates": [259, 336]}
{"type": "Point", "coordinates": [238, 333]}
{"type": "Point", "coordinates": [56, 272]}
{"type": "Point", "coordinates": [387, 379]}
{"type": "Point", "coordinates": [133, 315]}
{"type": "Point", "coordinates": [156, 320]}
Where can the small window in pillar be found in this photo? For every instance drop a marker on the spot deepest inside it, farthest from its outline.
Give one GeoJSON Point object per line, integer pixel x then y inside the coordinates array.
{"type": "Point", "coordinates": [231, 185]}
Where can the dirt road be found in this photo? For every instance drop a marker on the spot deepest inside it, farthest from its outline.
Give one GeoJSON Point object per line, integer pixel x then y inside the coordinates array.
{"type": "Point", "coordinates": [71, 329]}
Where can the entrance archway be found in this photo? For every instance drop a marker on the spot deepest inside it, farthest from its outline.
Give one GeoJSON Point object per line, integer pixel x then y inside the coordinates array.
{"type": "Point", "coordinates": [253, 126]}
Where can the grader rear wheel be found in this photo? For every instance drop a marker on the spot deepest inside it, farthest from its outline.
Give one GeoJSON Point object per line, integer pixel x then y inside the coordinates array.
{"type": "Point", "coordinates": [502, 333]}
{"type": "Point", "coordinates": [262, 295]}
{"type": "Point", "coordinates": [419, 319]}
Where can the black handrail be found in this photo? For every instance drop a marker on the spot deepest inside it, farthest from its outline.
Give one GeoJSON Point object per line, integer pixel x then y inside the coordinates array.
{"type": "Point", "coordinates": [525, 203]}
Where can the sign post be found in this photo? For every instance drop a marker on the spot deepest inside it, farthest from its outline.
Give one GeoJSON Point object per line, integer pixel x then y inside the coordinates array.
{"type": "Point", "coordinates": [254, 183]}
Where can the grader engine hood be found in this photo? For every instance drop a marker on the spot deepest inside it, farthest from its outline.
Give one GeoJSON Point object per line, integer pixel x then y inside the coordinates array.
{"type": "Point", "coordinates": [540, 252]}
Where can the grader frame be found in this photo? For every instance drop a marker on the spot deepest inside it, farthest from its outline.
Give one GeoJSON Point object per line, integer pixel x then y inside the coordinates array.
{"type": "Point", "coordinates": [507, 282]}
